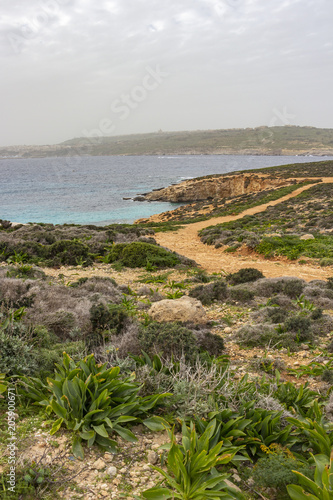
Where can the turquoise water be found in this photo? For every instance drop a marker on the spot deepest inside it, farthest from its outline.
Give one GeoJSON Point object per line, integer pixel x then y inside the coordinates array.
{"type": "Point", "coordinates": [90, 190]}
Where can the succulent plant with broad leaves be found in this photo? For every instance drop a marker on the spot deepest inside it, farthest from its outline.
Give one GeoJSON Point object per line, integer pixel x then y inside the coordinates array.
{"type": "Point", "coordinates": [93, 402]}
{"type": "Point", "coordinates": [191, 469]}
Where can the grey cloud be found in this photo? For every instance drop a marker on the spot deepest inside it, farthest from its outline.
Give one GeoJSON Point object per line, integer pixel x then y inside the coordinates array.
{"type": "Point", "coordinates": [230, 63]}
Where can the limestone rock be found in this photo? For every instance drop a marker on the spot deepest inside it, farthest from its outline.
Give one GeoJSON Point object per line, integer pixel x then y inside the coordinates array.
{"type": "Point", "coordinates": [307, 237]}
{"type": "Point", "coordinates": [232, 485]}
{"type": "Point", "coordinates": [152, 457]}
{"type": "Point", "coordinates": [99, 464]}
{"type": "Point", "coordinates": [183, 309]}
{"type": "Point", "coordinates": [111, 471]}
{"type": "Point", "coordinates": [215, 187]}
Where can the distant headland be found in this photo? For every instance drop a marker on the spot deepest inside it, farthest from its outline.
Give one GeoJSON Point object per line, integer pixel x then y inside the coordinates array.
{"type": "Point", "coordinates": [286, 140]}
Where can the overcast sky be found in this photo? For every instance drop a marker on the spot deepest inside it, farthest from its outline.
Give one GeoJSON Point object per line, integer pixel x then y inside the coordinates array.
{"type": "Point", "coordinates": [72, 68]}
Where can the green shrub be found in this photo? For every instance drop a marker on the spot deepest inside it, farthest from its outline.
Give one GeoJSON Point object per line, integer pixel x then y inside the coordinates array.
{"type": "Point", "coordinates": [317, 313]}
{"type": "Point", "coordinates": [138, 254]}
{"type": "Point", "coordinates": [241, 294]}
{"type": "Point", "coordinates": [108, 316]}
{"type": "Point", "coordinates": [275, 470]}
{"type": "Point", "coordinates": [327, 376]}
{"type": "Point", "coordinates": [244, 276]}
{"type": "Point", "coordinates": [301, 326]}
{"type": "Point", "coordinates": [168, 339]}
{"type": "Point", "coordinates": [106, 320]}
{"type": "Point", "coordinates": [293, 288]}
{"type": "Point", "coordinates": [17, 356]}
{"type": "Point", "coordinates": [47, 358]}
{"type": "Point", "coordinates": [330, 283]}
{"type": "Point", "coordinates": [213, 344]}
{"type": "Point", "coordinates": [208, 293]}
{"type": "Point", "coordinates": [68, 252]}
{"type": "Point", "coordinates": [266, 335]}
{"type": "Point", "coordinates": [277, 314]}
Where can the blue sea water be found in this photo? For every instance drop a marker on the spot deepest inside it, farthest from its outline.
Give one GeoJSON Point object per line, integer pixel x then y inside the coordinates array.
{"type": "Point", "coordinates": [90, 190]}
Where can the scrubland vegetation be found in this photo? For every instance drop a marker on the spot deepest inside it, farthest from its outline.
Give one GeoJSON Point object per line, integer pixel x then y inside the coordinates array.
{"type": "Point", "coordinates": [244, 400]}
{"type": "Point", "coordinates": [269, 432]}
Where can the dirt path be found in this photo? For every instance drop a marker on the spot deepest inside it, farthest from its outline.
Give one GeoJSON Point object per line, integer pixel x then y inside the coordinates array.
{"type": "Point", "coordinates": [187, 242]}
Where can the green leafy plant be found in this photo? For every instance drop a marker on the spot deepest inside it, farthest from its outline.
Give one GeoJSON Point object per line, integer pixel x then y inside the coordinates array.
{"type": "Point", "coordinates": [91, 401]}
{"type": "Point", "coordinates": [304, 303]}
{"type": "Point", "coordinates": [321, 488]}
{"type": "Point", "coordinates": [150, 278]}
{"type": "Point", "coordinates": [3, 384]}
{"type": "Point", "coordinates": [313, 369]}
{"type": "Point", "coordinates": [174, 295]}
{"type": "Point", "coordinates": [17, 258]}
{"type": "Point", "coordinates": [318, 433]}
{"type": "Point", "coordinates": [191, 472]}
{"type": "Point", "coordinates": [265, 429]}
{"type": "Point", "coordinates": [300, 398]}
{"type": "Point", "coordinates": [178, 285]}
{"type": "Point", "coordinates": [129, 305]}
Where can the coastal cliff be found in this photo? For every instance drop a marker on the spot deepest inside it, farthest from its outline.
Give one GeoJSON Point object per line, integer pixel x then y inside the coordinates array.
{"type": "Point", "coordinates": [216, 187]}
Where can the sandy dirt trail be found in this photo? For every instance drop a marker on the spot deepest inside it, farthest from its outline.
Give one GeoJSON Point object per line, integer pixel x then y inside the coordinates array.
{"type": "Point", "coordinates": [187, 242]}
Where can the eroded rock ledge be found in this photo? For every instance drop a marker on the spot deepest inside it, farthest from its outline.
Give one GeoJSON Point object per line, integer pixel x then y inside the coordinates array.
{"type": "Point", "coordinates": [216, 187]}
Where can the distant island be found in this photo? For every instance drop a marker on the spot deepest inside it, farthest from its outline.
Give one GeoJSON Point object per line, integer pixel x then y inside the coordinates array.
{"type": "Point", "coordinates": [286, 140]}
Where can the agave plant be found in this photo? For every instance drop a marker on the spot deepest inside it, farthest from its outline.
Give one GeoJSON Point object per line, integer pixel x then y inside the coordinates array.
{"type": "Point", "coordinates": [93, 402]}
{"type": "Point", "coordinates": [191, 472]}
{"type": "Point", "coordinates": [322, 486]}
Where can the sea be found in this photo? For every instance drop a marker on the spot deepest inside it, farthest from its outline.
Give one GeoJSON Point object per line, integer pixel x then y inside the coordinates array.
{"type": "Point", "coordinates": [91, 190]}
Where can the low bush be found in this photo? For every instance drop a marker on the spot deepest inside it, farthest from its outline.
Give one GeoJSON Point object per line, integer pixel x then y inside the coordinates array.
{"type": "Point", "coordinates": [17, 356]}
{"type": "Point", "coordinates": [61, 323]}
{"type": "Point", "coordinates": [207, 341]}
{"type": "Point", "coordinates": [293, 287]}
{"type": "Point", "coordinates": [208, 293]}
{"type": "Point", "coordinates": [275, 470]}
{"type": "Point", "coordinates": [276, 314]}
{"type": "Point", "coordinates": [327, 376]}
{"type": "Point", "coordinates": [108, 316]}
{"type": "Point", "coordinates": [241, 294]}
{"type": "Point", "coordinates": [266, 335]}
{"type": "Point", "coordinates": [69, 253]}
{"type": "Point", "coordinates": [106, 320]}
{"type": "Point", "coordinates": [138, 254]}
{"type": "Point", "coordinates": [301, 326]}
{"type": "Point", "coordinates": [244, 276]}
{"type": "Point", "coordinates": [168, 339]}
